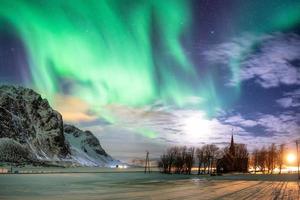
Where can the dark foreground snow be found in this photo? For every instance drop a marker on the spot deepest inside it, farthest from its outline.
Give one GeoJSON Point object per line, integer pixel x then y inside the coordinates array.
{"type": "Point", "coordinates": [146, 186]}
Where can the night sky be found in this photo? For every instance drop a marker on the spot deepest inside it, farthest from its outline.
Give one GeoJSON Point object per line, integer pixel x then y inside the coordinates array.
{"type": "Point", "coordinates": [145, 75]}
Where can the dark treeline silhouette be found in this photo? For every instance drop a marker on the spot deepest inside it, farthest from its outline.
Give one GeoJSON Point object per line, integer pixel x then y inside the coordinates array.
{"type": "Point", "coordinates": [180, 159]}
{"type": "Point", "coordinates": [177, 160]}
{"type": "Point", "coordinates": [211, 159]}
{"type": "Point", "coordinates": [207, 158]}
{"type": "Point", "coordinates": [266, 159]}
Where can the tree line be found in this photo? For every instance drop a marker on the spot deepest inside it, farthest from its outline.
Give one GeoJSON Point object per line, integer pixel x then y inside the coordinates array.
{"type": "Point", "coordinates": [266, 159]}
{"type": "Point", "coordinates": [181, 159]}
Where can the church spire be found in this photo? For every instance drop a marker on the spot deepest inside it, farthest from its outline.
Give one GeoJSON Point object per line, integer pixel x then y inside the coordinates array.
{"type": "Point", "coordinates": [232, 146]}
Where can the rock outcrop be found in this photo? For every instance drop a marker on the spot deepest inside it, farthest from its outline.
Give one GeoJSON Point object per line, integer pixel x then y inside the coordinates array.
{"type": "Point", "coordinates": [31, 131]}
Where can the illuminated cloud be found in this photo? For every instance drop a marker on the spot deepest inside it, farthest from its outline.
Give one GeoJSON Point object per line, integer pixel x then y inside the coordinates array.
{"type": "Point", "coordinates": [284, 126]}
{"type": "Point", "coordinates": [290, 99]}
{"type": "Point", "coordinates": [273, 64]}
{"type": "Point", "coordinates": [73, 109]}
{"type": "Point", "coordinates": [169, 125]}
{"type": "Point", "coordinates": [239, 120]}
{"type": "Point", "coordinates": [268, 60]}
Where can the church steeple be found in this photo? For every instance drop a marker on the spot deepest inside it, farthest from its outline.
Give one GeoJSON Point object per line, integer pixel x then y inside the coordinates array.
{"type": "Point", "coordinates": [232, 146]}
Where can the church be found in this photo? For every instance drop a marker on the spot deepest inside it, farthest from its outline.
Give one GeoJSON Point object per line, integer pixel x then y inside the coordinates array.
{"type": "Point", "coordinates": [231, 162]}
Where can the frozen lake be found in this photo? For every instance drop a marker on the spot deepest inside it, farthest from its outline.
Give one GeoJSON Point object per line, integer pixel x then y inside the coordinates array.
{"type": "Point", "coordinates": [137, 185]}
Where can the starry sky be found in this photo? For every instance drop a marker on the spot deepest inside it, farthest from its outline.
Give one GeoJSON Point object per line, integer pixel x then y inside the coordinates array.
{"type": "Point", "coordinates": [145, 75]}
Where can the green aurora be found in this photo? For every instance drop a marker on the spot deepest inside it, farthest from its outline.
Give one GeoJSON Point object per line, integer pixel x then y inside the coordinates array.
{"type": "Point", "coordinates": [122, 52]}
{"type": "Point", "coordinates": [104, 49]}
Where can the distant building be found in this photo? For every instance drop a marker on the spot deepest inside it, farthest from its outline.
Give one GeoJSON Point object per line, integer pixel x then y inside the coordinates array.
{"type": "Point", "coordinates": [232, 162]}
{"type": "Point", "coordinates": [3, 171]}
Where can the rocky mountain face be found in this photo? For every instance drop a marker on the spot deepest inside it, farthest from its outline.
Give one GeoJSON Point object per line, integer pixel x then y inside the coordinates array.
{"type": "Point", "coordinates": [31, 131]}
{"type": "Point", "coordinates": [85, 147]}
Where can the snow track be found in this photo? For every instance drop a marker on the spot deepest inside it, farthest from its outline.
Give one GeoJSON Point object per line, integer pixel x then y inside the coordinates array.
{"type": "Point", "coordinates": [146, 186]}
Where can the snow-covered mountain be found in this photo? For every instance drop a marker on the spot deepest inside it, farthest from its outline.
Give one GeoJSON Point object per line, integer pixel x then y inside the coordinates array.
{"type": "Point", "coordinates": [31, 131]}
{"type": "Point", "coordinates": [85, 148]}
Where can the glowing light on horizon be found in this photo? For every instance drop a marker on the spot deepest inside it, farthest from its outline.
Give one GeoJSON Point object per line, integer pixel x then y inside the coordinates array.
{"type": "Point", "coordinates": [291, 158]}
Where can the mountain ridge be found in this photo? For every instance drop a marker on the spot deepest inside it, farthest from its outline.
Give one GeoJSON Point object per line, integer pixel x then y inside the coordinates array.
{"type": "Point", "coordinates": [32, 132]}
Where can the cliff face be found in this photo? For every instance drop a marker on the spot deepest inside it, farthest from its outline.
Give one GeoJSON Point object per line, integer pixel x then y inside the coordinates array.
{"type": "Point", "coordinates": [29, 120]}
{"type": "Point", "coordinates": [30, 130]}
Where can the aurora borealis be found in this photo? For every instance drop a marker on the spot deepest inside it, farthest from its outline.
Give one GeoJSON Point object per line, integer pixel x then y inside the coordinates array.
{"type": "Point", "coordinates": [103, 48]}
{"type": "Point", "coordinates": [159, 69]}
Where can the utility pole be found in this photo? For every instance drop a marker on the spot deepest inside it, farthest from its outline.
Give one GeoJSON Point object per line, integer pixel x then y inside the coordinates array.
{"type": "Point", "coordinates": [297, 149]}
{"type": "Point", "coordinates": [147, 163]}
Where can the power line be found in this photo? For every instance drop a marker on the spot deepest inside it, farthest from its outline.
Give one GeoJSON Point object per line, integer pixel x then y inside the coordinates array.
{"type": "Point", "coordinates": [147, 163]}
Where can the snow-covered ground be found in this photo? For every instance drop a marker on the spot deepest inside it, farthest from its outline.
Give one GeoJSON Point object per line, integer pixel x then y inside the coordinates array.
{"type": "Point", "coordinates": [146, 186]}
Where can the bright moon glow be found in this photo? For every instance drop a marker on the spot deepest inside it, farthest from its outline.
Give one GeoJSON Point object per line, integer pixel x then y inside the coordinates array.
{"type": "Point", "coordinates": [196, 126]}
{"type": "Point", "coordinates": [291, 158]}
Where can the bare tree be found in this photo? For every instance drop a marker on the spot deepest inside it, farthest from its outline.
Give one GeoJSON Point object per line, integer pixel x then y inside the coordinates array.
{"type": "Point", "coordinates": [167, 160]}
{"type": "Point", "coordinates": [214, 154]}
{"type": "Point", "coordinates": [255, 159]}
{"type": "Point", "coordinates": [271, 158]}
{"type": "Point", "coordinates": [210, 153]}
{"type": "Point", "coordinates": [180, 156]}
{"type": "Point", "coordinates": [241, 157]}
{"type": "Point", "coordinates": [177, 160]}
{"type": "Point", "coordinates": [261, 159]}
{"type": "Point", "coordinates": [189, 160]}
{"type": "Point", "coordinates": [281, 157]}
{"type": "Point", "coordinates": [207, 157]}
{"type": "Point", "coordinates": [200, 157]}
{"type": "Point", "coordinates": [241, 151]}
{"type": "Point", "coordinates": [163, 163]}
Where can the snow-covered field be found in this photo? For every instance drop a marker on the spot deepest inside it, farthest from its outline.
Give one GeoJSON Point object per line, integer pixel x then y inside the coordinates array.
{"type": "Point", "coordinates": [146, 186]}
